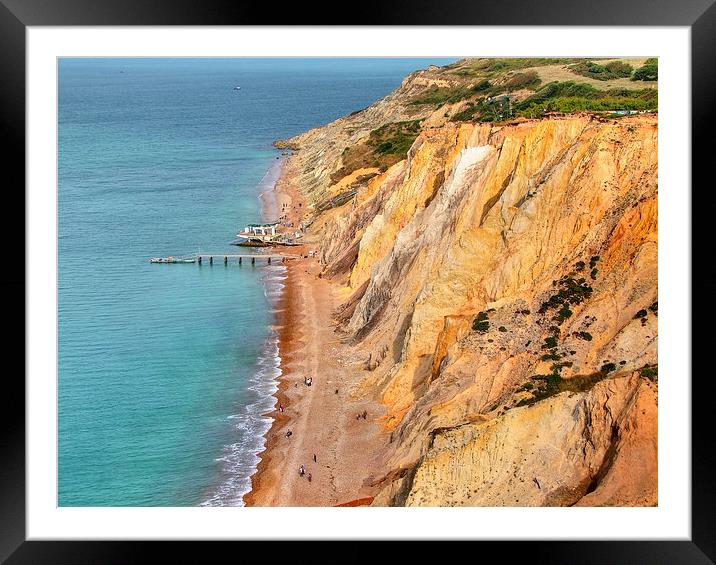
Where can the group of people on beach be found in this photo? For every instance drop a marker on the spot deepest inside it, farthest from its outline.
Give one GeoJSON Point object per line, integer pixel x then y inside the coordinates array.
{"type": "Point", "coordinates": [302, 469]}
{"type": "Point", "coordinates": [302, 472]}
{"type": "Point", "coordinates": [363, 415]}
{"type": "Point", "coordinates": [307, 381]}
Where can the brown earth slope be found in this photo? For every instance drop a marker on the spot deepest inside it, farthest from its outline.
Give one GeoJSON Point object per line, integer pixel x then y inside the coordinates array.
{"type": "Point", "coordinates": [500, 283]}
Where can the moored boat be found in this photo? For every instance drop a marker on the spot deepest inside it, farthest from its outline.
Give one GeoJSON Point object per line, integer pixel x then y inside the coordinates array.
{"type": "Point", "coordinates": [172, 259]}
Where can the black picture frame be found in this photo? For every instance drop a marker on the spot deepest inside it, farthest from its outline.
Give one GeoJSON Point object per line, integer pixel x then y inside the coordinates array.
{"type": "Point", "coordinates": [17, 15]}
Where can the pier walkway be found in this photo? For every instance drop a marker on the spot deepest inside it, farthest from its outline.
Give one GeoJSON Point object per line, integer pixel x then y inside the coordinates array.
{"type": "Point", "coordinates": [210, 258]}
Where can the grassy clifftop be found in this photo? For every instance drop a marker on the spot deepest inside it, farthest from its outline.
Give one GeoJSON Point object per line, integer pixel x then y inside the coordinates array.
{"type": "Point", "coordinates": [500, 91]}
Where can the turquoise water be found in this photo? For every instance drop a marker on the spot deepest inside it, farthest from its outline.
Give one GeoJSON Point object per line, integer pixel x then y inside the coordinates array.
{"type": "Point", "coordinates": [165, 370]}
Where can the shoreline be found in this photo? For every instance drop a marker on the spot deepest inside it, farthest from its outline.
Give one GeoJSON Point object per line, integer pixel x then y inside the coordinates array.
{"type": "Point", "coordinates": [230, 490]}
{"type": "Point", "coordinates": [279, 419]}
{"type": "Point", "coordinates": [272, 199]}
{"type": "Point", "coordinates": [322, 421]}
{"type": "Point", "coordinates": [269, 197]}
{"type": "Point", "coordinates": [269, 204]}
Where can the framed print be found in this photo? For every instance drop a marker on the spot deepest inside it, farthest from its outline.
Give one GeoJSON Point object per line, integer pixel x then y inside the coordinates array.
{"type": "Point", "coordinates": [373, 282]}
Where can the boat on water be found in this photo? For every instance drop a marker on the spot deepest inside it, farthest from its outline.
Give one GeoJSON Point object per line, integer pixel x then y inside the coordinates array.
{"type": "Point", "coordinates": [237, 87]}
{"type": "Point", "coordinates": [172, 259]}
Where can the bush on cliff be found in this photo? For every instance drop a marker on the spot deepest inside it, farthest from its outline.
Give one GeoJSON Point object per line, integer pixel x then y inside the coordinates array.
{"type": "Point", "coordinates": [648, 72]}
{"type": "Point", "coordinates": [612, 70]}
{"type": "Point", "coordinates": [650, 372]}
{"type": "Point", "coordinates": [570, 96]}
{"type": "Point", "coordinates": [384, 147]}
{"type": "Point", "coordinates": [445, 95]}
{"type": "Point", "coordinates": [481, 323]}
{"type": "Point", "coordinates": [527, 80]}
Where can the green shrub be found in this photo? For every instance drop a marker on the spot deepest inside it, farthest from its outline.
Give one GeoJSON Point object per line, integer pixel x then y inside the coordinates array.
{"type": "Point", "coordinates": [654, 307]}
{"type": "Point", "coordinates": [467, 114]}
{"type": "Point", "coordinates": [481, 327]}
{"type": "Point", "coordinates": [549, 357]}
{"type": "Point", "coordinates": [443, 95]}
{"type": "Point", "coordinates": [640, 314]}
{"type": "Point", "coordinates": [529, 80]}
{"type": "Point", "coordinates": [481, 324]}
{"type": "Point", "coordinates": [394, 138]}
{"type": "Point", "coordinates": [594, 274]}
{"type": "Point", "coordinates": [608, 368]}
{"type": "Point", "coordinates": [502, 329]}
{"type": "Point", "coordinates": [563, 314]}
{"type": "Point", "coordinates": [570, 96]}
{"type": "Point", "coordinates": [586, 336]}
{"type": "Point", "coordinates": [650, 372]}
{"type": "Point", "coordinates": [612, 70]}
{"type": "Point", "coordinates": [383, 147]}
{"type": "Point", "coordinates": [649, 71]}
{"type": "Point", "coordinates": [619, 69]}
{"type": "Point", "coordinates": [553, 383]}
{"type": "Point", "coordinates": [571, 292]}
{"type": "Point", "coordinates": [550, 342]}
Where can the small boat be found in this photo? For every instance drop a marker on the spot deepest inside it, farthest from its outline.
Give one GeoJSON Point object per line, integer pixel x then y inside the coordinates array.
{"type": "Point", "coordinates": [172, 259]}
{"type": "Point", "coordinates": [237, 87]}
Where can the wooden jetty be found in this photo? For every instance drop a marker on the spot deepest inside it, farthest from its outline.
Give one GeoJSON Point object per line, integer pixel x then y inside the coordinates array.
{"type": "Point", "coordinates": [203, 258]}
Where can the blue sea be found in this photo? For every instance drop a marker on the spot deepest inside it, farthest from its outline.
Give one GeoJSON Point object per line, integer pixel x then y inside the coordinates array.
{"type": "Point", "coordinates": [166, 371]}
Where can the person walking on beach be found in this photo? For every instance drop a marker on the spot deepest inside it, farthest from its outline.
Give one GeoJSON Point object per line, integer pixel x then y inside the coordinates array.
{"type": "Point", "coordinates": [309, 477]}
{"type": "Point", "coordinates": [289, 433]}
{"type": "Point", "coordinates": [301, 471]}
{"type": "Point", "coordinates": [280, 407]}
{"type": "Point", "coordinates": [314, 458]}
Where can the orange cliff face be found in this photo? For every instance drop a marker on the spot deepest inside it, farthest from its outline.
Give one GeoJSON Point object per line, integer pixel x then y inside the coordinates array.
{"type": "Point", "coordinates": [548, 228]}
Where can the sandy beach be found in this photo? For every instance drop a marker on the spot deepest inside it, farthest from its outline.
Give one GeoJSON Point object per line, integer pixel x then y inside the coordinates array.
{"type": "Point", "coordinates": [322, 417]}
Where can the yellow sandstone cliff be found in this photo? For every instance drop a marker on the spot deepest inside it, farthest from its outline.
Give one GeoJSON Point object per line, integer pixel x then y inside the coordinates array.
{"type": "Point", "coordinates": [501, 286]}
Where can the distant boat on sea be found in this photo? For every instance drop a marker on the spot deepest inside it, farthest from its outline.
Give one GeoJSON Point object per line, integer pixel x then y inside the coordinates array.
{"type": "Point", "coordinates": [237, 87]}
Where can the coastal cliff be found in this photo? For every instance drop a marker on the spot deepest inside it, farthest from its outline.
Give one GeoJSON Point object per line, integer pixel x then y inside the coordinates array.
{"type": "Point", "coordinates": [497, 288]}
